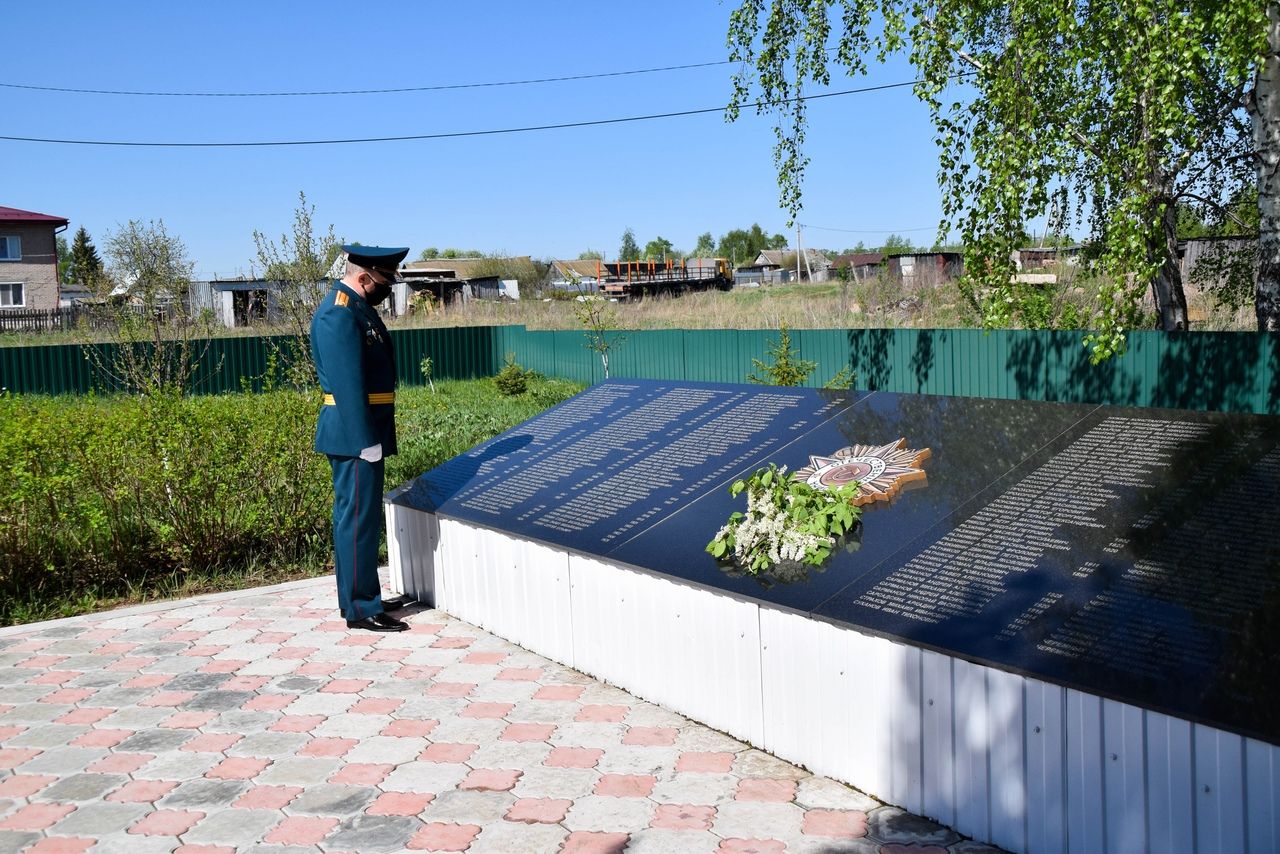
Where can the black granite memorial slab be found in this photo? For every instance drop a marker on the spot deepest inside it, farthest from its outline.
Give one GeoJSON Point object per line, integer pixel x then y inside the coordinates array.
{"type": "Point", "coordinates": [1124, 552]}
{"type": "Point", "coordinates": [615, 460]}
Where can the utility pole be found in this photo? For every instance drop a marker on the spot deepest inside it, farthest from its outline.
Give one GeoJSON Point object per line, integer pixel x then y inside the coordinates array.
{"type": "Point", "coordinates": [799, 250]}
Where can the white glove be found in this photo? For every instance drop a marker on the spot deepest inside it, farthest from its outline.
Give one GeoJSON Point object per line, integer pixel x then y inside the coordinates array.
{"type": "Point", "coordinates": [372, 454]}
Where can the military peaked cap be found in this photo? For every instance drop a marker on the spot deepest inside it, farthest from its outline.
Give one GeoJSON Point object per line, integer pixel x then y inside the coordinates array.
{"type": "Point", "coordinates": [378, 258]}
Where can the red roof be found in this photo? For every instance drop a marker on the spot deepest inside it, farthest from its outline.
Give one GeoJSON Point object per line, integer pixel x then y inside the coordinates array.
{"type": "Point", "coordinates": [15, 215]}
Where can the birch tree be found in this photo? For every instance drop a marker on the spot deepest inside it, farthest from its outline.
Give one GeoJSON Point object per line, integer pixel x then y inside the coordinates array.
{"type": "Point", "coordinates": [1107, 113]}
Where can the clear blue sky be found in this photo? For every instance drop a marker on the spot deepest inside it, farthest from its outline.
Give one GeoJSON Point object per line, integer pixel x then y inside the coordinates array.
{"type": "Point", "coordinates": [547, 194]}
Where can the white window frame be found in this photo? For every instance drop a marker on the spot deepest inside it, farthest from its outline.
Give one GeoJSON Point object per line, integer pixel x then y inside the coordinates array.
{"type": "Point", "coordinates": [23, 294]}
{"type": "Point", "coordinates": [11, 241]}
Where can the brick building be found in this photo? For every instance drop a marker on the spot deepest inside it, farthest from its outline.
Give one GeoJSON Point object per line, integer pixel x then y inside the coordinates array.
{"type": "Point", "coordinates": [28, 259]}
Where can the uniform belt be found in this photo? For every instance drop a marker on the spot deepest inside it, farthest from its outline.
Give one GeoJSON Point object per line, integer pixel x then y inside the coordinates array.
{"type": "Point", "coordinates": [375, 398]}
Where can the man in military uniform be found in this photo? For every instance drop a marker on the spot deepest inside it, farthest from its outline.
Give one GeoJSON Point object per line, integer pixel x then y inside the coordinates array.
{"type": "Point", "coordinates": [355, 363]}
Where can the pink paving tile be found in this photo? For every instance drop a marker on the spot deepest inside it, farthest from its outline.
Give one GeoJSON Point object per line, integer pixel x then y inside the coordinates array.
{"type": "Point", "coordinates": [204, 849]}
{"type": "Point", "coordinates": [558, 692]}
{"type": "Point", "coordinates": [839, 823]}
{"type": "Point", "coordinates": [299, 830]}
{"type": "Point", "coordinates": [539, 810]}
{"type": "Point", "coordinates": [238, 768]}
{"type": "Point", "coordinates": [483, 657]}
{"type": "Point", "coordinates": [426, 628]}
{"type": "Point", "coordinates": [53, 677]}
{"type": "Point", "coordinates": [36, 816]}
{"type": "Point", "coordinates": [362, 774]}
{"type": "Point", "coordinates": [651, 736]}
{"type": "Point", "coordinates": [120, 763]}
{"type": "Point", "coordinates": [625, 785]}
{"type": "Point", "coordinates": [168, 698]}
{"type": "Point", "coordinates": [487, 710]}
{"type": "Point", "coordinates": [453, 642]}
{"type": "Point", "coordinates": [269, 702]}
{"type": "Point", "coordinates": [297, 723]}
{"type": "Point", "coordinates": [67, 696]}
{"type": "Point", "coordinates": [12, 757]}
{"type": "Point", "coordinates": [61, 845]}
{"type": "Point", "coordinates": [442, 836]}
{"type": "Point", "coordinates": [167, 623]}
{"type": "Point", "coordinates": [776, 791]}
{"type": "Point", "coordinates": [11, 731]}
{"type": "Point", "coordinates": [142, 791]}
{"type": "Point", "coordinates": [417, 671]}
{"type": "Point", "coordinates": [267, 797]}
{"type": "Point", "coordinates": [520, 674]}
{"type": "Point", "coordinates": [212, 742]}
{"type": "Point", "coordinates": [23, 785]}
{"type": "Point", "coordinates": [320, 668]}
{"type": "Point", "coordinates": [359, 640]}
{"type": "Point", "coordinates": [244, 683]}
{"type": "Point", "coordinates": [573, 757]}
{"type": "Point", "coordinates": [491, 780]}
{"type": "Point", "coordinates": [751, 846]}
{"type": "Point", "coordinates": [203, 651]}
{"type": "Point", "coordinates": [601, 714]}
{"type": "Point", "coordinates": [30, 646]}
{"type": "Point", "coordinates": [167, 823]}
{"type": "Point", "coordinates": [376, 706]}
{"type": "Point", "coordinates": [271, 637]}
{"type": "Point", "coordinates": [527, 732]}
{"type": "Point", "coordinates": [400, 803]}
{"type": "Point", "coordinates": [387, 655]}
{"type": "Point", "coordinates": [707, 763]}
{"type": "Point", "coordinates": [101, 738]}
{"type": "Point", "coordinates": [333, 626]}
{"type": "Point", "coordinates": [594, 842]}
{"type": "Point", "coordinates": [188, 720]}
{"type": "Point", "coordinates": [185, 637]}
{"type": "Point", "coordinates": [449, 753]}
{"type": "Point", "coordinates": [407, 728]}
{"type": "Point", "coordinates": [450, 689]}
{"type": "Point", "coordinates": [148, 680]}
{"type": "Point", "coordinates": [327, 747]}
{"type": "Point", "coordinates": [84, 716]}
{"type": "Point", "coordinates": [683, 817]}
{"type": "Point", "coordinates": [39, 662]}
{"type": "Point", "coordinates": [299, 652]}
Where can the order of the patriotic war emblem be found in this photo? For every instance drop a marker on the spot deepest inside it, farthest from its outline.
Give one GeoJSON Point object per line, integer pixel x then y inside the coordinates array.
{"type": "Point", "coordinates": [880, 470]}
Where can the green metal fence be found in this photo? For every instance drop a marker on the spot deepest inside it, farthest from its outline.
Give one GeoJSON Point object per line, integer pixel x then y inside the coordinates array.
{"type": "Point", "coordinates": [1229, 371]}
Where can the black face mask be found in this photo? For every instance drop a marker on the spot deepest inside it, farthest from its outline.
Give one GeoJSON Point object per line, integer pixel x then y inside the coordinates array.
{"type": "Point", "coordinates": [379, 292]}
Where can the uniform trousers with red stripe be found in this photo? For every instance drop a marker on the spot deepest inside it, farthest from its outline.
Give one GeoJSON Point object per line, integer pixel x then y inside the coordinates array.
{"type": "Point", "coordinates": [357, 529]}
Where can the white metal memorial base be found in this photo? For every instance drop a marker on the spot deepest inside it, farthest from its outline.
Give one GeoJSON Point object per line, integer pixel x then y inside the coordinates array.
{"type": "Point", "coordinates": [1008, 759]}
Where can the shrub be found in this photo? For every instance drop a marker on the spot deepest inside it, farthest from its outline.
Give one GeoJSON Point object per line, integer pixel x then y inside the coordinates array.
{"type": "Point", "coordinates": [513, 379]}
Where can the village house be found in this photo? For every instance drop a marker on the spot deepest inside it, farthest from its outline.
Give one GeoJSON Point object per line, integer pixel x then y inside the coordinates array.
{"type": "Point", "coordinates": [924, 269]}
{"type": "Point", "coordinates": [861, 265]}
{"type": "Point", "coordinates": [815, 266]}
{"type": "Point", "coordinates": [29, 260]}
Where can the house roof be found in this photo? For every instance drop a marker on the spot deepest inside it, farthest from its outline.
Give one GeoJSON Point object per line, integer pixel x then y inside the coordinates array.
{"type": "Point", "coordinates": [583, 268]}
{"type": "Point", "coordinates": [463, 268]}
{"type": "Point", "coordinates": [775, 256]}
{"type": "Point", "coordinates": [16, 215]}
{"type": "Point", "coordinates": [857, 259]}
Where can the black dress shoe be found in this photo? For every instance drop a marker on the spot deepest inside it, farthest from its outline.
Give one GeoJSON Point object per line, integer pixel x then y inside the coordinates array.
{"type": "Point", "coordinates": [378, 623]}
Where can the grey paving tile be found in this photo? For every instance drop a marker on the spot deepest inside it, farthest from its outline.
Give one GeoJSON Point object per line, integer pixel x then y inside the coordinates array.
{"type": "Point", "coordinates": [893, 825]}
{"type": "Point", "coordinates": [332, 800]}
{"type": "Point", "coordinates": [238, 828]}
{"type": "Point", "coordinates": [204, 795]}
{"type": "Point", "coordinates": [81, 787]}
{"type": "Point", "coordinates": [374, 834]}
{"type": "Point", "coordinates": [100, 819]}
{"type": "Point", "coordinates": [13, 841]}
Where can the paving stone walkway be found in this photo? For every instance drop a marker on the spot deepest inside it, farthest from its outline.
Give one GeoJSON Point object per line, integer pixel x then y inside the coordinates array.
{"type": "Point", "coordinates": [255, 721]}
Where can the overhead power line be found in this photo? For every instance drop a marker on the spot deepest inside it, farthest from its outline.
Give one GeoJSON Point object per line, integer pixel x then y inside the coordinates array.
{"type": "Point", "coordinates": [449, 134]}
{"type": "Point", "coordinates": [869, 230]}
{"type": "Point", "coordinates": [396, 90]}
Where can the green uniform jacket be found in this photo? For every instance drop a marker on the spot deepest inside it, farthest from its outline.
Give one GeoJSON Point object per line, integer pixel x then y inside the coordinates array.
{"type": "Point", "coordinates": [354, 359]}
